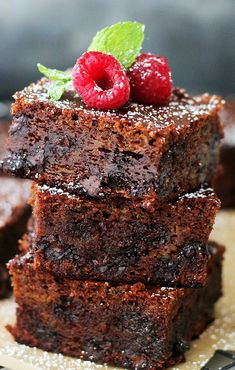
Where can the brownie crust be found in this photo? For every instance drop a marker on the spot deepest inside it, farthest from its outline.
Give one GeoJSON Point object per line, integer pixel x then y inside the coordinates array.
{"type": "Point", "coordinates": [133, 326]}
{"type": "Point", "coordinates": [121, 240]}
{"type": "Point", "coordinates": [132, 151]}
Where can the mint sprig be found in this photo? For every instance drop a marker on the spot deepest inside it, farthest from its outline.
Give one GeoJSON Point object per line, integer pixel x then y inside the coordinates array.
{"type": "Point", "coordinates": [123, 40]}
{"type": "Point", "coordinates": [62, 79]}
{"type": "Point", "coordinates": [56, 90]}
{"type": "Point", "coordinates": [54, 74]}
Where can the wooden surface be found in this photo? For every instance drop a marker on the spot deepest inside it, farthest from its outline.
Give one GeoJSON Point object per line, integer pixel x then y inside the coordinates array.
{"type": "Point", "coordinates": [220, 335]}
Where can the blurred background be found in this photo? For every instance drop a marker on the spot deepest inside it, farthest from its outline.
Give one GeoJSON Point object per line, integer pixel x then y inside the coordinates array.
{"type": "Point", "coordinates": [197, 36]}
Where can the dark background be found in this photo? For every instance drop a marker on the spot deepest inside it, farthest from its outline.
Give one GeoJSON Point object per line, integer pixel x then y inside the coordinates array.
{"type": "Point", "coordinates": [197, 37]}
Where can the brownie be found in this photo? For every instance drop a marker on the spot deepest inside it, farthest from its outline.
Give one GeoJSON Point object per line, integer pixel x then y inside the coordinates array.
{"type": "Point", "coordinates": [132, 151]}
{"type": "Point", "coordinates": [225, 183]}
{"type": "Point", "coordinates": [133, 326]}
{"type": "Point", "coordinates": [123, 240]}
{"type": "Point", "coordinates": [14, 214]}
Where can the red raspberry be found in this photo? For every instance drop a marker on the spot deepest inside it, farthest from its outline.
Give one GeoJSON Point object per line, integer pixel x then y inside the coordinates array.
{"type": "Point", "coordinates": [150, 79]}
{"type": "Point", "coordinates": [101, 80]}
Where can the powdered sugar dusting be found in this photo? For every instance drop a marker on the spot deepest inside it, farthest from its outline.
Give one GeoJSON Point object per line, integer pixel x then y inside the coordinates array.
{"type": "Point", "coordinates": [55, 191]}
{"type": "Point", "coordinates": [180, 110]}
{"type": "Point", "coordinates": [201, 193]}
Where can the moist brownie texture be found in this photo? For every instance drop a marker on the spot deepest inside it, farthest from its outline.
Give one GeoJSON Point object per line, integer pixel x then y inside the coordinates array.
{"type": "Point", "coordinates": [133, 326]}
{"type": "Point", "coordinates": [123, 240]}
{"type": "Point", "coordinates": [225, 183]}
{"type": "Point", "coordinates": [14, 214]}
{"type": "Point", "coordinates": [131, 151]}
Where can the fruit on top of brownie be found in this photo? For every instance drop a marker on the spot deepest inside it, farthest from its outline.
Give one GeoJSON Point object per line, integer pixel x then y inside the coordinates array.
{"type": "Point", "coordinates": [112, 71]}
{"type": "Point", "coordinates": [132, 326]}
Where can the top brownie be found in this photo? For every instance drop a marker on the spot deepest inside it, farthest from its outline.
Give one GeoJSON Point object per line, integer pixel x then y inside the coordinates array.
{"type": "Point", "coordinates": [135, 150]}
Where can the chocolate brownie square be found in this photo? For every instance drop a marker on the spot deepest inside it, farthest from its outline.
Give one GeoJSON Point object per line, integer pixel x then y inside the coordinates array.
{"type": "Point", "coordinates": [122, 240]}
{"type": "Point", "coordinates": [133, 151]}
{"type": "Point", "coordinates": [133, 326]}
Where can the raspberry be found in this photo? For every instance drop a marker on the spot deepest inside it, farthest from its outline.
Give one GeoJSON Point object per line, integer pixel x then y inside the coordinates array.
{"type": "Point", "coordinates": [101, 81]}
{"type": "Point", "coordinates": [150, 79]}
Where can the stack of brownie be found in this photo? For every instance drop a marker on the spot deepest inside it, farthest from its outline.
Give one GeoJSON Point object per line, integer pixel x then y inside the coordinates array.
{"type": "Point", "coordinates": [116, 266]}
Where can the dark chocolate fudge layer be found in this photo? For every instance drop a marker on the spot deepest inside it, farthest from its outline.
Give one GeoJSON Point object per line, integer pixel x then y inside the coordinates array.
{"type": "Point", "coordinates": [122, 240]}
{"type": "Point", "coordinates": [14, 214]}
{"type": "Point", "coordinates": [225, 183]}
{"type": "Point", "coordinates": [132, 326]}
{"type": "Point", "coordinates": [134, 150]}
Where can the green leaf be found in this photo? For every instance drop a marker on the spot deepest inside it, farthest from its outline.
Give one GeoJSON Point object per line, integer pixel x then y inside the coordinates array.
{"type": "Point", "coordinates": [56, 90]}
{"type": "Point", "coordinates": [123, 40]}
{"type": "Point", "coordinates": [54, 74]}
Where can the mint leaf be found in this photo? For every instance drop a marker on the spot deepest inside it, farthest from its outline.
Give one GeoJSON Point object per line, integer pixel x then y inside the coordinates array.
{"type": "Point", "coordinates": [54, 74]}
{"type": "Point", "coordinates": [56, 90]}
{"type": "Point", "coordinates": [62, 79]}
{"type": "Point", "coordinates": [123, 40]}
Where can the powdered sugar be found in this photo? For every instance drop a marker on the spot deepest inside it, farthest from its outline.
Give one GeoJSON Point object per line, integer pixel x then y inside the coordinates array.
{"type": "Point", "coordinates": [182, 109]}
